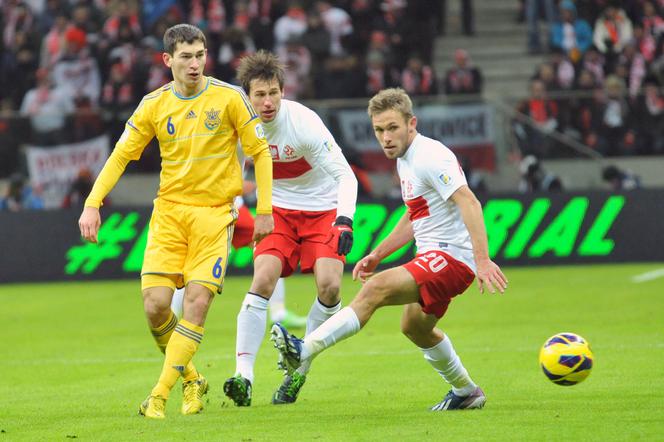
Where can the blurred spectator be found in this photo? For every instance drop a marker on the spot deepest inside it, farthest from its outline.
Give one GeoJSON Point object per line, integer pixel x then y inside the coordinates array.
{"type": "Point", "coordinates": [210, 17]}
{"type": "Point", "coordinates": [649, 117]}
{"type": "Point", "coordinates": [418, 78]}
{"type": "Point", "coordinates": [297, 59]}
{"type": "Point", "coordinates": [619, 179]}
{"type": "Point", "coordinates": [122, 15]}
{"type": "Point", "coordinates": [396, 27]}
{"type": "Point", "coordinates": [52, 10]}
{"type": "Point", "coordinates": [20, 61]}
{"type": "Point", "coordinates": [535, 179]}
{"type": "Point", "coordinates": [76, 72]}
{"type": "Point", "coordinates": [117, 99]}
{"type": "Point", "coordinates": [236, 44]}
{"type": "Point", "coordinates": [593, 61]}
{"type": "Point", "coordinates": [533, 12]}
{"type": "Point", "coordinates": [339, 25]}
{"type": "Point", "coordinates": [652, 21]}
{"type": "Point", "coordinates": [53, 43]}
{"type": "Point", "coordinates": [290, 25]}
{"type": "Point", "coordinates": [20, 196]}
{"type": "Point", "coordinates": [13, 133]}
{"type": "Point", "coordinates": [563, 68]}
{"type": "Point", "coordinates": [632, 68]}
{"type": "Point", "coordinates": [18, 19]}
{"type": "Point", "coordinates": [468, 24]}
{"type": "Point", "coordinates": [48, 108]}
{"type": "Point", "coordinates": [378, 74]}
{"type": "Point", "coordinates": [543, 115]}
{"type": "Point", "coordinates": [613, 30]}
{"type": "Point", "coordinates": [79, 190]}
{"type": "Point", "coordinates": [571, 34]}
{"type": "Point", "coordinates": [464, 78]}
{"type": "Point", "coordinates": [615, 135]}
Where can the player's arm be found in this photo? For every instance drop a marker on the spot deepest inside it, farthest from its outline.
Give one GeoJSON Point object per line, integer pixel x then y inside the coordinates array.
{"type": "Point", "coordinates": [328, 155]}
{"type": "Point", "coordinates": [253, 144]}
{"type": "Point", "coordinates": [488, 273]}
{"type": "Point", "coordinates": [137, 134]}
{"type": "Point", "coordinates": [401, 235]}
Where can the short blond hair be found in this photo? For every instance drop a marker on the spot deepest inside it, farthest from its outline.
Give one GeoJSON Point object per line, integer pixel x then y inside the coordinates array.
{"type": "Point", "coordinates": [391, 99]}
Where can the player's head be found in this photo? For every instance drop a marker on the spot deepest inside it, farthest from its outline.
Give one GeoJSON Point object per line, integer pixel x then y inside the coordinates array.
{"type": "Point", "coordinates": [262, 76]}
{"type": "Point", "coordinates": [394, 124]}
{"type": "Point", "coordinates": [185, 53]}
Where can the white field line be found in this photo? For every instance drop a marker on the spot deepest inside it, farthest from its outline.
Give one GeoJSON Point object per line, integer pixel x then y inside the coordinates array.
{"type": "Point", "coordinates": [648, 276]}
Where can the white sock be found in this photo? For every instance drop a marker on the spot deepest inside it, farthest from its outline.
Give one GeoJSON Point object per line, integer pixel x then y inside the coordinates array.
{"type": "Point", "coordinates": [278, 302]}
{"type": "Point", "coordinates": [339, 327]}
{"type": "Point", "coordinates": [318, 314]}
{"type": "Point", "coordinates": [445, 361]}
{"type": "Point", "coordinates": [251, 324]}
{"type": "Point", "coordinates": [177, 302]}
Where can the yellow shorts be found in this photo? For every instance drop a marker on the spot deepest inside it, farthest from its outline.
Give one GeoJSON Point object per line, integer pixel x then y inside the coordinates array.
{"type": "Point", "coordinates": [188, 244]}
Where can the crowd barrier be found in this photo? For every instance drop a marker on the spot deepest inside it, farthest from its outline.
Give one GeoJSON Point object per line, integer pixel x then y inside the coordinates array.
{"type": "Point", "coordinates": [543, 229]}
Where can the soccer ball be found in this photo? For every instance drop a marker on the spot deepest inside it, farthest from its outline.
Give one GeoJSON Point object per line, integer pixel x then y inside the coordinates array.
{"type": "Point", "coordinates": [566, 359]}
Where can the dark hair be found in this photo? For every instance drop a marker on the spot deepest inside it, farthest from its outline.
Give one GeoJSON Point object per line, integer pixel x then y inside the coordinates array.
{"type": "Point", "coordinates": [180, 34]}
{"type": "Point", "coordinates": [262, 65]}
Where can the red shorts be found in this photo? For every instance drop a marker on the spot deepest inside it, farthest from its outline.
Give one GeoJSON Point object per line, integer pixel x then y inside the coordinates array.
{"type": "Point", "coordinates": [299, 236]}
{"type": "Point", "coordinates": [244, 228]}
{"type": "Point", "coordinates": [440, 278]}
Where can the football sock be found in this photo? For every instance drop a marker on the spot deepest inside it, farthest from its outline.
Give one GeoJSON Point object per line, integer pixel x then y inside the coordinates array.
{"type": "Point", "coordinates": [445, 361]}
{"type": "Point", "coordinates": [180, 349]}
{"type": "Point", "coordinates": [318, 314]}
{"type": "Point", "coordinates": [339, 327]}
{"type": "Point", "coordinates": [162, 335]}
{"type": "Point", "coordinates": [251, 324]}
{"type": "Point", "coordinates": [278, 302]}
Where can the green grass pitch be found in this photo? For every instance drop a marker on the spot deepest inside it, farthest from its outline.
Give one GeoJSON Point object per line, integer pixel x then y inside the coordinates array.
{"type": "Point", "coordinates": [77, 359]}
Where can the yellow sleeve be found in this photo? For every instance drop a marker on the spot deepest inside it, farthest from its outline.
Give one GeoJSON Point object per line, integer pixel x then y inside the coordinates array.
{"type": "Point", "coordinates": [254, 144]}
{"type": "Point", "coordinates": [138, 132]}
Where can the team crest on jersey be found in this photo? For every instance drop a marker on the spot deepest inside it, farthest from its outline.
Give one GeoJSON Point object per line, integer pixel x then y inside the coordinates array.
{"type": "Point", "coordinates": [289, 152]}
{"type": "Point", "coordinates": [445, 179]}
{"type": "Point", "coordinates": [212, 120]}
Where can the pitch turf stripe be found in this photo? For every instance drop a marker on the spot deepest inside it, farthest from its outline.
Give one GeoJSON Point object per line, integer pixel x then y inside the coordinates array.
{"type": "Point", "coordinates": [648, 276]}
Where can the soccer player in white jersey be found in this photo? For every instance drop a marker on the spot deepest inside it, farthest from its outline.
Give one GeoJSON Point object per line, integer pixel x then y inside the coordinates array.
{"type": "Point", "coordinates": [314, 196]}
{"type": "Point", "coordinates": [446, 221]}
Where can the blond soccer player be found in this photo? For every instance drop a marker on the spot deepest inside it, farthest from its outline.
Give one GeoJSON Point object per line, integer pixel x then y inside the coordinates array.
{"type": "Point", "coordinates": [445, 219]}
{"type": "Point", "coordinates": [198, 121]}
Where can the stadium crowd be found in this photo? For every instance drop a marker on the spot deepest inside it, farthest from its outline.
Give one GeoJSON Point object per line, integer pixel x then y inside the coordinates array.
{"type": "Point", "coordinates": [601, 81]}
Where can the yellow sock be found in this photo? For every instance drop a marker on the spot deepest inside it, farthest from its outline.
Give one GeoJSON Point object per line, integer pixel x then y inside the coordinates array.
{"type": "Point", "coordinates": [162, 335]}
{"type": "Point", "coordinates": [180, 349]}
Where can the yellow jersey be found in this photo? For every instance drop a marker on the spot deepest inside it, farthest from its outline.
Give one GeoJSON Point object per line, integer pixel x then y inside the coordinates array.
{"type": "Point", "coordinates": [198, 138]}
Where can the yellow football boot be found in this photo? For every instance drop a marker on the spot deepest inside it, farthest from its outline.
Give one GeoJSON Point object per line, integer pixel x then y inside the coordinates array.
{"type": "Point", "coordinates": [192, 395]}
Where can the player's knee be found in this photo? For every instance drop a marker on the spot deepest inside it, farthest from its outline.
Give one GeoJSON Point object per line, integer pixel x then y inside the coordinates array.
{"type": "Point", "coordinates": [157, 308]}
{"type": "Point", "coordinates": [411, 330]}
{"type": "Point", "coordinates": [328, 292]}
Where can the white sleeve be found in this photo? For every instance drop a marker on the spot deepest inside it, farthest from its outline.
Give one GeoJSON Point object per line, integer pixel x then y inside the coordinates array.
{"type": "Point", "coordinates": [441, 169]}
{"type": "Point", "coordinates": [328, 155]}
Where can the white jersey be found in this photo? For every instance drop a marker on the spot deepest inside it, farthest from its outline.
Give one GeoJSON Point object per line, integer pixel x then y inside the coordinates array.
{"type": "Point", "coordinates": [309, 170]}
{"type": "Point", "coordinates": [430, 173]}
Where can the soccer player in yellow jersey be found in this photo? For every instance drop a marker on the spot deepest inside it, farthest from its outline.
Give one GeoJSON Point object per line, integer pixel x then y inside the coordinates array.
{"type": "Point", "coordinates": [198, 121]}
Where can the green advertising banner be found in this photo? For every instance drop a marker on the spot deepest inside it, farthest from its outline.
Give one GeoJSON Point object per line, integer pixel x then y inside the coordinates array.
{"type": "Point", "coordinates": [522, 230]}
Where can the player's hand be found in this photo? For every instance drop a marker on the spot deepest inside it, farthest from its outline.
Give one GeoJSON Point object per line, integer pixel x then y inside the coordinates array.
{"type": "Point", "coordinates": [364, 269]}
{"type": "Point", "coordinates": [490, 276]}
{"type": "Point", "coordinates": [341, 235]}
{"type": "Point", "coordinates": [89, 223]}
{"type": "Point", "coordinates": [263, 226]}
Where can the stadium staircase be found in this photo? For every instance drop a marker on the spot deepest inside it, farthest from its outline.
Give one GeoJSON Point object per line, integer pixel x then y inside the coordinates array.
{"type": "Point", "coordinates": [498, 47]}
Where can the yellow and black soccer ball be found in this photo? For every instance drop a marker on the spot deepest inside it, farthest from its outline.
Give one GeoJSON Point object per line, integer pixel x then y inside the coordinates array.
{"type": "Point", "coordinates": [566, 359]}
